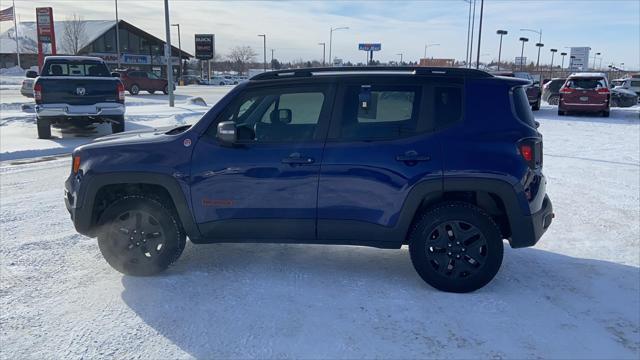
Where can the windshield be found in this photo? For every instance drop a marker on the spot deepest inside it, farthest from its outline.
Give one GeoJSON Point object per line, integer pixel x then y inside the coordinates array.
{"type": "Point", "coordinates": [75, 68]}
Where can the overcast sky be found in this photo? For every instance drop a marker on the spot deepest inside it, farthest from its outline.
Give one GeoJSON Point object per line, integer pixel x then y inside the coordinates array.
{"type": "Point", "coordinates": [294, 28]}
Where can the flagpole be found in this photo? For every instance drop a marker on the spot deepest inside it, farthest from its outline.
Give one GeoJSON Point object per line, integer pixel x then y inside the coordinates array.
{"type": "Point", "coordinates": [15, 26]}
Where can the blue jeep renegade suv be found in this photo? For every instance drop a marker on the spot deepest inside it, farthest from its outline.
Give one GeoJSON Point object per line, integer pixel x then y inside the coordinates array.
{"type": "Point", "coordinates": [447, 161]}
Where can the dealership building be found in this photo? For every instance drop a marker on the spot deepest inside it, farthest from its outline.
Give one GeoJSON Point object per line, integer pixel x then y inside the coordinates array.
{"type": "Point", "coordinates": [138, 49]}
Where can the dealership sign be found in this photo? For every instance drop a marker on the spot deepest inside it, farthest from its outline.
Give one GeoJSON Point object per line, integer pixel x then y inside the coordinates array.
{"type": "Point", "coordinates": [579, 59]}
{"type": "Point", "coordinates": [370, 46]}
{"type": "Point", "coordinates": [205, 46]}
{"type": "Point", "coordinates": [45, 31]}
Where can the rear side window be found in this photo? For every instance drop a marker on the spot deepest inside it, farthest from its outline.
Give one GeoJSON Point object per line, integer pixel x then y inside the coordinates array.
{"type": "Point", "coordinates": [556, 85]}
{"type": "Point", "coordinates": [522, 107]}
{"type": "Point", "coordinates": [380, 112]}
{"type": "Point", "coordinates": [586, 83]}
{"type": "Point", "coordinates": [76, 69]}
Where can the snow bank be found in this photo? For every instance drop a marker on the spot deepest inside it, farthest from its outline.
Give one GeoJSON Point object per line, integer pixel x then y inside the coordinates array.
{"type": "Point", "coordinates": [12, 71]}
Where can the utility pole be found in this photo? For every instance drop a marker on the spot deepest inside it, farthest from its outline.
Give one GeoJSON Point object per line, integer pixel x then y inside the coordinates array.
{"type": "Point", "coordinates": [167, 53]}
{"type": "Point", "coordinates": [501, 33]}
{"type": "Point", "coordinates": [179, 47]}
{"type": "Point", "coordinates": [272, 50]}
{"type": "Point", "coordinates": [466, 60]}
{"type": "Point", "coordinates": [15, 26]}
{"type": "Point", "coordinates": [264, 49]}
{"type": "Point", "coordinates": [331, 41]}
{"type": "Point", "coordinates": [479, 34]}
{"type": "Point", "coordinates": [117, 35]}
{"type": "Point", "coordinates": [473, 26]}
{"type": "Point", "coordinates": [323, 52]}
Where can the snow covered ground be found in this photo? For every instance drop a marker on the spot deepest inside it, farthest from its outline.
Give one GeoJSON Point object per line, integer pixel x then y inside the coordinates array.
{"type": "Point", "coordinates": [575, 295]}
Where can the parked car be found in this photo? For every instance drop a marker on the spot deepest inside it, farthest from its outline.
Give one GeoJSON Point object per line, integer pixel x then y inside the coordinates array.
{"type": "Point", "coordinates": [220, 80]}
{"type": "Point", "coordinates": [585, 92]}
{"type": "Point", "coordinates": [371, 156]}
{"type": "Point", "coordinates": [191, 80]}
{"type": "Point", "coordinates": [136, 80]}
{"type": "Point", "coordinates": [621, 97]}
{"type": "Point", "coordinates": [534, 93]}
{"type": "Point", "coordinates": [27, 87]}
{"type": "Point", "coordinates": [635, 83]}
{"type": "Point", "coordinates": [630, 84]}
{"type": "Point", "coordinates": [78, 90]}
{"type": "Point", "coordinates": [551, 90]}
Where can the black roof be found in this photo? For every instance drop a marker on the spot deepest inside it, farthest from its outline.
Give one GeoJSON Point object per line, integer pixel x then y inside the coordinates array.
{"type": "Point", "coordinates": [371, 70]}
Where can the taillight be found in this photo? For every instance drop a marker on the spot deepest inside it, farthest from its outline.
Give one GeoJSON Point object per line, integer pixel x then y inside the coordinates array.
{"type": "Point", "coordinates": [76, 164]}
{"type": "Point", "coordinates": [603, 91]}
{"type": "Point", "coordinates": [37, 92]}
{"type": "Point", "coordinates": [531, 152]}
{"type": "Point", "coordinates": [120, 92]}
{"type": "Point", "coordinates": [566, 90]}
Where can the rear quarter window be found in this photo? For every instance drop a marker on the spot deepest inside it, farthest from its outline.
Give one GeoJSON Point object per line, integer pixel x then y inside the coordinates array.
{"type": "Point", "coordinates": [522, 107]}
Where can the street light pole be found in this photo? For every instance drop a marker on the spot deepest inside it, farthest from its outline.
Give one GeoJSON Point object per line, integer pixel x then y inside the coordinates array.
{"type": "Point", "coordinates": [331, 41]}
{"type": "Point", "coordinates": [562, 66]}
{"type": "Point", "coordinates": [571, 57]}
{"type": "Point", "coordinates": [272, 51]}
{"type": "Point", "coordinates": [264, 50]}
{"type": "Point", "coordinates": [539, 32]}
{"type": "Point", "coordinates": [480, 34]}
{"type": "Point", "coordinates": [323, 52]}
{"type": "Point", "coordinates": [117, 35]}
{"type": "Point", "coordinates": [400, 54]}
{"type": "Point", "coordinates": [524, 40]}
{"type": "Point", "coordinates": [553, 52]}
{"type": "Point", "coordinates": [473, 26]}
{"type": "Point", "coordinates": [501, 33]}
{"type": "Point", "coordinates": [428, 46]}
{"type": "Point", "coordinates": [539, 46]}
{"type": "Point", "coordinates": [466, 59]}
{"type": "Point", "coordinates": [594, 60]}
{"type": "Point", "coordinates": [167, 53]}
{"type": "Point", "coordinates": [179, 48]}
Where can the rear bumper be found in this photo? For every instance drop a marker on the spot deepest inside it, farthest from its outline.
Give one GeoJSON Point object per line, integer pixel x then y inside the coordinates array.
{"type": "Point", "coordinates": [564, 106]}
{"type": "Point", "coordinates": [66, 110]}
{"type": "Point", "coordinates": [529, 228]}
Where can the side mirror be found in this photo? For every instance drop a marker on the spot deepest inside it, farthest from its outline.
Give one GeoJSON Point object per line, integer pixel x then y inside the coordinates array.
{"type": "Point", "coordinates": [226, 132]}
{"type": "Point", "coordinates": [115, 74]}
{"type": "Point", "coordinates": [31, 74]}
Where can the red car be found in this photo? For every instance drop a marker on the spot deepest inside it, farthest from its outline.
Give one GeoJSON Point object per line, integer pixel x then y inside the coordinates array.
{"type": "Point", "coordinates": [585, 92]}
{"type": "Point", "coordinates": [136, 80]}
{"type": "Point", "coordinates": [534, 93]}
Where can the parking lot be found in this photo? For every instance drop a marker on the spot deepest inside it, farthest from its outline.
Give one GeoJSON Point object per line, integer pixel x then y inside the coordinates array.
{"type": "Point", "coordinates": [576, 294]}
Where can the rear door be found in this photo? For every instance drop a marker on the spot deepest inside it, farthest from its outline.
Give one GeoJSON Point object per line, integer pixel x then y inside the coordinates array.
{"type": "Point", "coordinates": [381, 144]}
{"type": "Point", "coordinates": [265, 187]}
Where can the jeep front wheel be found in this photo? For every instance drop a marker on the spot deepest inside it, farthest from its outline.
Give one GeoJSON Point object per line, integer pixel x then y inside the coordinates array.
{"type": "Point", "coordinates": [456, 247]}
{"type": "Point", "coordinates": [140, 236]}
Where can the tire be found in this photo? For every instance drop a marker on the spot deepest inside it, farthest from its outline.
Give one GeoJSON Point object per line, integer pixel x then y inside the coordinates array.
{"type": "Point", "coordinates": [536, 106]}
{"type": "Point", "coordinates": [605, 113]}
{"type": "Point", "coordinates": [221, 84]}
{"type": "Point", "coordinates": [134, 89]}
{"type": "Point", "coordinates": [44, 128]}
{"type": "Point", "coordinates": [554, 100]}
{"type": "Point", "coordinates": [165, 90]}
{"type": "Point", "coordinates": [562, 113]}
{"type": "Point", "coordinates": [474, 260]}
{"type": "Point", "coordinates": [151, 92]}
{"type": "Point", "coordinates": [130, 218]}
{"type": "Point", "coordinates": [117, 124]}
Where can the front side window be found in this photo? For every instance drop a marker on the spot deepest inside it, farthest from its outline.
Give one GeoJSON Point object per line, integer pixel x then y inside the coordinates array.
{"type": "Point", "coordinates": [277, 117]}
{"type": "Point", "coordinates": [379, 112]}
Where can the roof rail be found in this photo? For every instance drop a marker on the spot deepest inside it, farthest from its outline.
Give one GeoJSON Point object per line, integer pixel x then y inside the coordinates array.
{"type": "Point", "coordinates": [350, 70]}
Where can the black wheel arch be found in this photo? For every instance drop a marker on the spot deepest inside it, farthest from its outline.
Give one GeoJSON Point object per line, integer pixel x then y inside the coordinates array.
{"type": "Point", "coordinates": [164, 187]}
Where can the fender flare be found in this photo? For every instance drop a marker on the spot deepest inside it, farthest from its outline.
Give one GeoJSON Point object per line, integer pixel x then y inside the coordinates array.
{"type": "Point", "coordinates": [85, 219]}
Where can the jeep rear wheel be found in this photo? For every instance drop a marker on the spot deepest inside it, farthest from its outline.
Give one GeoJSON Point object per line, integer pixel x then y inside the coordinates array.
{"type": "Point", "coordinates": [456, 247]}
{"type": "Point", "coordinates": [140, 236]}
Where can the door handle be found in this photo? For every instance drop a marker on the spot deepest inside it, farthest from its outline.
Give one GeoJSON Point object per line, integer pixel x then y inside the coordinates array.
{"type": "Point", "coordinates": [412, 156]}
{"type": "Point", "coordinates": [297, 159]}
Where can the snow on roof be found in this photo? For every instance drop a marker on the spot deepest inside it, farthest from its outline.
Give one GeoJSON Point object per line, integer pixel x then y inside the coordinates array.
{"type": "Point", "coordinates": [588, 74]}
{"type": "Point", "coordinates": [73, 58]}
{"type": "Point", "coordinates": [28, 41]}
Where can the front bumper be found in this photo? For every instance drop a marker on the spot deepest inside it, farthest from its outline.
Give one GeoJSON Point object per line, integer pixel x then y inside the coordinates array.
{"type": "Point", "coordinates": [529, 229]}
{"type": "Point", "coordinates": [66, 110]}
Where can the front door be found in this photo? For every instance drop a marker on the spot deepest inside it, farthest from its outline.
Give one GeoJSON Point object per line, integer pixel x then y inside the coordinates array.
{"type": "Point", "coordinates": [264, 187]}
{"type": "Point", "coordinates": [381, 143]}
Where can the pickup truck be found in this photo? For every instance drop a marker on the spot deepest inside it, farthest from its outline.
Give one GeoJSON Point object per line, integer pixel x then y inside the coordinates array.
{"type": "Point", "coordinates": [78, 90]}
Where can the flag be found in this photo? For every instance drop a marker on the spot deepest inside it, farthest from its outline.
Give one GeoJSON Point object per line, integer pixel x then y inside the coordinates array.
{"type": "Point", "coordinates": [6, 14]}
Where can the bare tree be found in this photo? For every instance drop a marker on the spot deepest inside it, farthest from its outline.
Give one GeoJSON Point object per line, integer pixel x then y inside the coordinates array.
{"type": "Point", "coordinates": [240, 56]}
{"type": "Point", "coordinates": [74, 34]}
